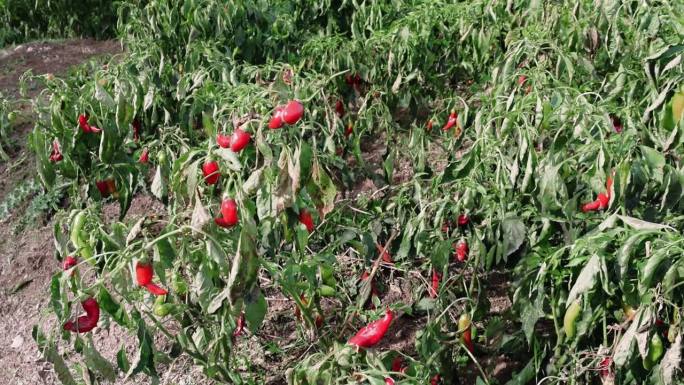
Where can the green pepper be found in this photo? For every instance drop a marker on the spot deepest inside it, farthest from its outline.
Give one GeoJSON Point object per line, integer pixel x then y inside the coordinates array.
{"type": "Point", "coordinates": [162, 310]}
{"type": "Point", "coordinates": [655, 352]}
{"type": "Point", "coordinates": [327, 291]}
{"type": "Point", "coordinates": [570, 318]}
{"type": "Point", "coordinates": [76, 227]}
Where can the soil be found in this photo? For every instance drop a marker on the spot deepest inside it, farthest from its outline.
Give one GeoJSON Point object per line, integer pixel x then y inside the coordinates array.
{"type": "Point", "coordinates": [27, 261]}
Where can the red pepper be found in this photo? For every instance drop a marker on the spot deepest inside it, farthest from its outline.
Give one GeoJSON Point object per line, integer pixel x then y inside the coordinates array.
{"type": "Point", "coordinates": [369, 335]}
{"type": "Point", "coordinates": [389, 381]}
{"type": "Point", "coordinates": [465, 325]}
{"type": "Point", "coordinates": [294, 110]}
{"type": "Point", "coordinates": [353, 80]}
{"type": "Point", "coordinates": [386, 256]}
{"type": "Point", "coordinates": [240, 325]}
{"type": "Point", "coordinates": [229, 213]}
{"type": "Point", "coordinates": [435, 283]}
{"type": "Point", "coordinates": [463, 220]}
{"type": "Point", "coordinates": [428, 126]}
{"type": "Point", "coordinates": [306, 219]}
{"type": "Point", "coordinates": [605, 367]}
{"type": "Point", "coordinates": [435, 380]}
{"type": "Point", "coordinates": [602, 200]}
{"type": "Point", "coordinates": [239, 140]}
{"type": "Point", "coordinates": [87, 322]}
{"type": "Point", "coordinates": [339, 108]}
{"type": "Point", "coordinates": [106, 187]}
{"type": "Point", "coordinates": [211, 172]}
{"type": "Point", "coordinates": [144, 157]}
{"type": "Point", "coordinates": [56, 154]}
{"type": "Point", "coordinates": [85, 126]}
{"type": "Point", "coordinates": [348, 131]}
{"type": "Point", "coordinates": [617, 124]}
{"type": "Point", "coordinates": [136, 129]}
{"type": "Point", "coordinates": [223, 140]}
{"type": "Point", "coordinates": [522, 79]}
{"type": "Point", "coordinates": [277, 118]}
{"type": "Point", "coordinates": [445, 226]}
{"type": "Point", "coordinates": [69, 262]}
{"type": "Point", "coordinates": [398, 364]}
{"type": "Point", "coordinates": [462, 251]}
{"type": "Point", "coordinates": [143, 276]}
{"type": "Point", "coordinates": [453, 119]}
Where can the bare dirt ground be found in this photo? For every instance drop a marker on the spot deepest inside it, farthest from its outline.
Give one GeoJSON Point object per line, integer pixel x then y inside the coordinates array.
{"type": "Point", "coordinates": [27, 260]}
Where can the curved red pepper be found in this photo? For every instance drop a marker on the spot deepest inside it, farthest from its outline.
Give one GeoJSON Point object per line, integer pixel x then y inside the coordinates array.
{"type": "Point", "coordinates": [602, 200]}
{"type": "Point", "coordinates": [87, 322]}
{"type": "Point", "coordinates": [143, 276]}
{"type": "Point", "coordinates": [211, 172]}
{"type": "Point", "coordinates": [240, 325]}
{"type": "Point", "coordinates": [277, 118]}
{"type": "Point", "coordinates": [386, 256]}
{"type": "Point", "coordinates": [369, 335]}
{"type": "Point", "coordinates": [453, 119]}
{"type": "Point", "coordinates": [293, 111]}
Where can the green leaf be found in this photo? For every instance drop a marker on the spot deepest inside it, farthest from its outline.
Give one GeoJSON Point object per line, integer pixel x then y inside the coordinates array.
{"type": "Point", "coordinates": [122, 360]}
{"type": "Point", "coordinates": [587, 278]}
{"type": "Point", "coordinates": [96, 362]}
{"type": "Point", "coordinates": [513, 235]}
{"type": "Point", "coordinates": [144, 360]}
{"type": "Point", "coordinates": [255, 309]}
{"type": "Point", "coordinates": [49, 352]}
{"type": "Point", "coordinates": [108, 304]}
{"type": "Point", "coordinates": [639, 224]}
{"type": "Point", "coordinates": [245, 264]}
{"type": "Point", "coordinates": [56, 295]}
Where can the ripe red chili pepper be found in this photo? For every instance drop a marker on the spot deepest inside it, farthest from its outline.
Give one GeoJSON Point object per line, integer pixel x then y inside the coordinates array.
{"type": "Point", "coordinates": [144, 156]}
{"type": "Point", "coordinates": [389, 381]}
{"type": "Point", "coordinates": [102, 187]}
{"type": "Point", "coordinates": [306, 219]}
{"type": "Point", "coordinates": [277, 118]}
{"type": "Point", "coordinates": [69, 262]}
{"type": "Point", "coordinates": [143, 276]}
{"type": "Point", "coordinates": [136, 129]}
{"type": "Point", "coordinates": [428, 126]}
{"type": "Point", "coordinates": [85, 126]}
{"type": "Point", "coordinates": [398, 364]}
{"type": "Point", "coordinates": [435, 380]}
{"type": "Point", "coordinates": [353, 80]}
{"type": "Point", "coordinates": [462, 251]}
{"type": "Point", "coordinates": [602, 200]}
{"type": "Point", "coordinates": [223, 140]}
{"type": "Point", "coordinates": [56, 154]}
{"type": "Point", "coordinates": [435, 283]}
{"type": "Point", "coordinates": [318, 321]}
{"type": "Point", "coordinates": [349, 130]}
{"type": "Point", "coordinates": [339, 108]}
{"type": "Point", "coordinates": [463, 220]}
{"type": "Point", "coordinates": [83, 123]}
{"type": "Point", "coordinates": [522, 79]}
{"type": "Point", "coordinates": [372, 333]}
{"type": "Point", "coordinates": [240, 325]}
{"type": "Point", "coordinates": [294, 110]}
{"type": "Point", "coordinates": [605, 367]}
{"type": "Point", "coordinates": [617, 124]}
{"type": "Point", "coordinates": [386, 256]}
{"type": "Point", "coordinates": [87, 322]}
{"type": "Point", "coordinates": [211, 172]}
{"type": "Point", "coordinates": [239, 140]}
{"type": "Point", "coordinates": [229, 213]}
{"type": "Point", "coordinates": [453, 119]}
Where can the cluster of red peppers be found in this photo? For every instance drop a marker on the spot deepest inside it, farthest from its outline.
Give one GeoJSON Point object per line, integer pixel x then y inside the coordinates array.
{"type": "Point", "coordinates": [602, 200]}
{"type": "Point", "coordinates": [143, 276]}
{"type": "Point", "coordinates": [87, 322]}
{"type": "Point", "coordinates": [287, 114]}
{"type": "Point", "coordinates": [229, 214]}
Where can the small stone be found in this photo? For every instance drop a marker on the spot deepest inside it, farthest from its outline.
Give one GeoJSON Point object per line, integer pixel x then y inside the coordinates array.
{"type": "Point", "coordinates": [17, 342]}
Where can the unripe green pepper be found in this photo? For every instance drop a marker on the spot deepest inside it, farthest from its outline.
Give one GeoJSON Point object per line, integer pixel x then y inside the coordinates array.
{"type": "Point", "coordinates": [570, 318]}
{"type": "Point", "coordinates": [655, 352]}
{"type": "Point", "coordinates": [327, 291]}
{"type": "Point", "coordinates": [162, 310]}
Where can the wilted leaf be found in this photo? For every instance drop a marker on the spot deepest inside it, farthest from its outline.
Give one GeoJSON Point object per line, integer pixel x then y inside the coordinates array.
{"type": "Point", "coordinates": [586, 280]}
{"type": "Point", "coordinates": [671, 365]}
{"type": "Point", "coordinates": [200, 216]}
